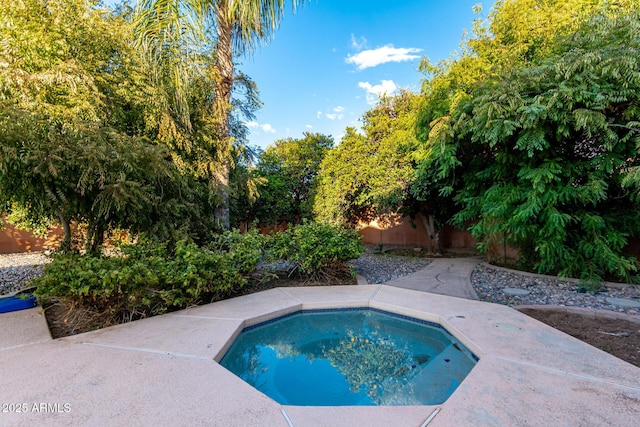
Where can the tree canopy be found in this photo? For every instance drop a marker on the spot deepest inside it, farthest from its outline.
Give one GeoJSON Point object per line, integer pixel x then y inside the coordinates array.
{"type": "Point", "coordinates": [233, 27]}
{"type": "Point", "coordinates": [542, 151]}
{"type": "Point", "coordinates": [369, 173]}
{"type": "Point", "coordinates": [529, 137]}
{"type": "Point", "coordinates": [287, 174]}
{"type": "Point", "coordinates": [77, 140]}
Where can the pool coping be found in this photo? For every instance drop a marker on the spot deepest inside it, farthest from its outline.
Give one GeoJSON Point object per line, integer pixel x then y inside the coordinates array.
{"type": "Point", "coordinates": [164, 369]}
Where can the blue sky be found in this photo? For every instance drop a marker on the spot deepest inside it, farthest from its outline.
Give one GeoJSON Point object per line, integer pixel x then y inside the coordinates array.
{"type": "Point", "coordinates": [328, 62]}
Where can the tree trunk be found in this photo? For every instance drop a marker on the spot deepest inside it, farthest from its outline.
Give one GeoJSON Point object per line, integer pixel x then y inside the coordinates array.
{"type": "Point", "coordinates": [65, 245]}
{"type": "Point", "coordinates": [504, 247]}
{"type": "Point", "coordinates": [434, 233]}
{"type": "Point", "coordinates": [222, 104]}
{"type": "Point", "coordinates": [95, 236]}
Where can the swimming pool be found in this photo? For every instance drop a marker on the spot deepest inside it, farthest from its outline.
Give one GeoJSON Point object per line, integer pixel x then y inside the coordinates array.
{"type": "Point", "coordinates": [341, 357]}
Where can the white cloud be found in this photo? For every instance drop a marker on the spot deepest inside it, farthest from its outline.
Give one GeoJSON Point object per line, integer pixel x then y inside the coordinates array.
{"type": "Point", "coordinates": [337, 114]}
{"type": "Point", "coordinates": [386, 87]}
{"type": "Point", "coordinates": [358, 43]}
{"type": "Point", "coordinates": [319, 114]}
{"type": "Point", "coordinates": [268, 128]}
{"type": "Point", "coordinates": [308, 126]}
{"type": "Point", "coordinates": [382, 55]}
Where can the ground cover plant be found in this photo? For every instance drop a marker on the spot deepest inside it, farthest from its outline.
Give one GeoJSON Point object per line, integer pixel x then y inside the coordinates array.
{"type": "Point", "coordinates": [148, 278]}
{"type": "Point", "coordinates": [144, 280]}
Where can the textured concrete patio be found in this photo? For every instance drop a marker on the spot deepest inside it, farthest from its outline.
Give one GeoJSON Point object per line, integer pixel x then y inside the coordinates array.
{"type": "Point", "coordinates": [163, 370]}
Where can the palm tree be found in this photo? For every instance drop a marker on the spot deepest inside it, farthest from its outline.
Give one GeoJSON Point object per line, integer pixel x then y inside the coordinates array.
{"type": "Point", "coordinates": [235, 27]}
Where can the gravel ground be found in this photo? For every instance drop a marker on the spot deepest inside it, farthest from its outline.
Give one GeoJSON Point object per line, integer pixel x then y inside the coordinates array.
{"type": "Point", "coordinates": [380, 268]}
{"type": "Point", "coordinates": [490, 283]}
{"type": "Point", "coordinates": [17, 269]}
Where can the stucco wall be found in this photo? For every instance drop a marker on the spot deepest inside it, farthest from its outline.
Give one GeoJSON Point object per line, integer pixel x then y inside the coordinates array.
{"type": "Point", "coordinates": [13, 240]}
{"type": "Point", "coordinates": [399, 230]}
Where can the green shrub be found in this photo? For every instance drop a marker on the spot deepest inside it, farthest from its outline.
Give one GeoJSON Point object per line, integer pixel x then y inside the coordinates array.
{"type": "Point", "coordinates": [147, 279]}
{"type": "Point", "coordinates": [314, 246]}
{"type": "Point", "coordinates": [245, 249]}
{"type": "Point", "coordinates": [150, 278]}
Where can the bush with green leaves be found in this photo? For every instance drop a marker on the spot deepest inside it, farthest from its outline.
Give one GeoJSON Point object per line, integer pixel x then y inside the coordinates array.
{"type": "Point", "coordinates": [314, 246]}
{"type": "Point", "coordinates": [245, 250]}
{"type": "Point", "coordinates": [150, 278]}
{"type": "Point", "coordinates": [147, 279]}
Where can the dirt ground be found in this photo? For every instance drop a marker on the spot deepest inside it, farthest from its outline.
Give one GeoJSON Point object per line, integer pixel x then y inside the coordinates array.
{"type": "Point", "coordinates": [620, 338]}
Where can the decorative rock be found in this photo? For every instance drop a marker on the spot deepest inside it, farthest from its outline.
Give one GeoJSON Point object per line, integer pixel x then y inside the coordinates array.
{"type": "Point", "coordinates": [378, 269]}
{"type": "Point", "coordinates": [16, 270]}
{"type": "Point", "coordinates": [515, 292]}
{"type": "Point", "coordinates": [623, 302]}
{"type": "Point", "coordinates": [490, 283]}
{"type": "Point", "coordinates": [280, 265]}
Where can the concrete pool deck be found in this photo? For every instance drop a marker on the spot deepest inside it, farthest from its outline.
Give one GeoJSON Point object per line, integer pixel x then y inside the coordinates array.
{"type": "Point", "coordinates": [163, 370]}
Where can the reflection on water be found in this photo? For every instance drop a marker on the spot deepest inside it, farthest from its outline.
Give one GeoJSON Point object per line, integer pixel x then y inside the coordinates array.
{"type": "Point", "coordinates": [354, 357]}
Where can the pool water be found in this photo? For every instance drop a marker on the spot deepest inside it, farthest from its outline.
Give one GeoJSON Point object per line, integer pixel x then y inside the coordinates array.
{"type": "Point", "coordinates": [350, 357]}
